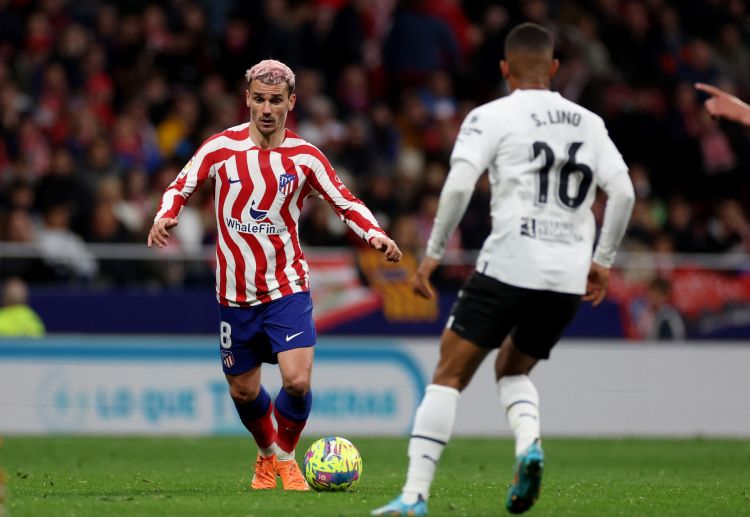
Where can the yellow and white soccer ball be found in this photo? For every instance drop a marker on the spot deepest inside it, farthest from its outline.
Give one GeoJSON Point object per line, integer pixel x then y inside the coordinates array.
{"type": "Point", "coordinates": [332, 464]}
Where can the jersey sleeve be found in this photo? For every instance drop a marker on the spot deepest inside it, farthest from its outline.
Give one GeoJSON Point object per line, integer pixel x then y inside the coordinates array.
{"type": "Point", "coordinates": [477, 141]}
{"type": "Point", "coordinates": [324, 180]}
{"type": "Point", "coordinates": [454, 198]}
{"type": "Point", "coordinates": [193, 174]}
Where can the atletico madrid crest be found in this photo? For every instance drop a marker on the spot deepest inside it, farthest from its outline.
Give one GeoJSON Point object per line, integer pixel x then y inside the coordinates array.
{"type": "Point", "coordinates": [287, 183]}
{"type": "Point", "coordinates": [227, 358]}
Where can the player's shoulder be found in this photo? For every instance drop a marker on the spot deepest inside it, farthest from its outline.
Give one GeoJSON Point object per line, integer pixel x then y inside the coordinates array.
{"type": "Point", "coordinates": [296, 146]}
{"type": "Point", "coordinates": [221, 139]}
{"type": "Point", "coordinates": [585, 112]}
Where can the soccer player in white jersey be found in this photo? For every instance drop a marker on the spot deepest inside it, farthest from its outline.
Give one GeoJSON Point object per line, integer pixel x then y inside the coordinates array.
{"type": "Point", "coordinates": [545, 156]}
{"type": "Point", "coordinates": [262, 173]}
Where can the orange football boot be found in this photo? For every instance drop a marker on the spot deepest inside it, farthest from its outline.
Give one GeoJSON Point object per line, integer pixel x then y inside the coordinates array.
{"type": "Point", "coordinates": [291, 476]}
{"type": "Point", "coordinates": [265, 473]}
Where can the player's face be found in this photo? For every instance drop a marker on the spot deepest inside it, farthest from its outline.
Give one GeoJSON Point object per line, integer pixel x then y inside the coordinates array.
{"type": "Point", "coordinates": [269, 105]}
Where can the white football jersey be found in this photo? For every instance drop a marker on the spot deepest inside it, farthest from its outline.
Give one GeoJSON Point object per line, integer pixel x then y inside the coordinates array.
{"type": "Point", "coordinates": [545, 156]}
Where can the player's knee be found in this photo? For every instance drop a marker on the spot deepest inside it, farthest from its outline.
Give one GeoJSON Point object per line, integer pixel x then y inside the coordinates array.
{"type": "Point", "coordinates": [243, 394]}
{"type": "Point", "coordinates": [297, 386]}
{"type": "Point", "coordinates": [458, 382]}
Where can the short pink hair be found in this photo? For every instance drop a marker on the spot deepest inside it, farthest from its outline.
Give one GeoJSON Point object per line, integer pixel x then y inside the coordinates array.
{"type": "Point", "coordinates": [270, 71]}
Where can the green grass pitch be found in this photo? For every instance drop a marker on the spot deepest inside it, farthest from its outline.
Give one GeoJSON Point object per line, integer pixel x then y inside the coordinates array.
{"type": "Point", "coordinates": [111, 476]}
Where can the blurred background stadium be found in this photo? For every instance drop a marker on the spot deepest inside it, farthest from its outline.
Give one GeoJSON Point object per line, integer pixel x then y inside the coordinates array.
{"type": "Point", "coordinates": [102, 103]}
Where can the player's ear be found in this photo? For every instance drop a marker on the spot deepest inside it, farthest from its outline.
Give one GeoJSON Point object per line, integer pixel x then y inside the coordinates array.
{"type": "Point", "coordinates": [292, 101]}
{"type": "Point", "coordinates": [554, 67]}
{"type": "Point", "coordinates": [504, 68]}
{"type": "Point", "coordinates": [247, 97]}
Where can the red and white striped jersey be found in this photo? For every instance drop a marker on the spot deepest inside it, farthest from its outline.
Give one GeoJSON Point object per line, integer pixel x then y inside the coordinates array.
{"type": "Point", "coordinates": [259, 195]}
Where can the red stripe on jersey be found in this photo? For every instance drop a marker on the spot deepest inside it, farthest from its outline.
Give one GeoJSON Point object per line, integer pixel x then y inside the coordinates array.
{"type": "Point", "coordinates": [233, 249]}
{"type": "Point", "coordinates": [269, 177]}
{"type": "Point", "coordinates": [259, 256]}
{"type": "Point", "coordinates": [290, 222]}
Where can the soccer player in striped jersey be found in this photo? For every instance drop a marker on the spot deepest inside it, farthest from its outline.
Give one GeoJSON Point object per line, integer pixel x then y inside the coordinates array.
{"type": "Point", "coordinates": [546, 156]}
{"type": "Point", "coordinates": [262, 174]}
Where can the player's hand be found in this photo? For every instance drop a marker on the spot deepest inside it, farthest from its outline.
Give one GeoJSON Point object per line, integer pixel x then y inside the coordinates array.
{"type": "Point", "coordinates": [420, 282]}
{"type": "Point", "coordinates": [159, 233]}
{"type": "Point", "coordinates": [722, 104]}
{"type": "Point", "coordinates": [596, 284]}
{"type": "Point", "coordinates": [387, 247]}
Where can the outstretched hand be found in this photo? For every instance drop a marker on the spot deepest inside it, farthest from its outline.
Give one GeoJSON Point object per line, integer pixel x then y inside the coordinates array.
{"type": "Point", "coordinates": [387, 247]}
{"type": "Point", "coordinates": [420, 282]}
{"type": "Point", "coordinates": [159, 233]}
{"type": "Point", "coordinates": [596, 284]}
{"type": "Point", "coordinates": [722, 104]}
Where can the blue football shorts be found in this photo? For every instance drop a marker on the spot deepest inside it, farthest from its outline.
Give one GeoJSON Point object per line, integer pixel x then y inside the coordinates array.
{"type": "Point", "coordinates": [249, 336]}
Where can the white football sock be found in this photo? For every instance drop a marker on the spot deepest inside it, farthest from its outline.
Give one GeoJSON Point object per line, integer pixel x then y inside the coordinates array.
{"type": "Point", "coordinates": [274, 448]}
{"type": "Point", "coordinates": [521, 401]}
{"type": "Point", "coordinates": [283, 455]}
{"type": "Point", "coordinates": [433, 423]}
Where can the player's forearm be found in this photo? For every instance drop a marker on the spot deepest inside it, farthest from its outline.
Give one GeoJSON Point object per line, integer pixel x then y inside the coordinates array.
{"type": "Point", "coordinates": [171, 204]}
{"type": "Point", "coordinates": [620, 200]}
{"type": "Point", "coordinates": [454, 199]}
{"type": "Point", "coordinates": [360, 220]}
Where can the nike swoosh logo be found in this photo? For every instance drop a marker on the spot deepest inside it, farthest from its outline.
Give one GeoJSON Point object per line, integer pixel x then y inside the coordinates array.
{"type": "Point", "coordinates": [230, 180]}
{"type": "Point", "coordinates": [289, 338]}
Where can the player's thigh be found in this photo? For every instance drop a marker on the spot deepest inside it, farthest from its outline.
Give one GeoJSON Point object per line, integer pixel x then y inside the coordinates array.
{"type": "Point", "coordinates": [511, 361]}
{"type": "Point", "coordinates": [243, 345]}
{"type": "Point", "coordinates": [291, 331]}
{"type": "Point", "coordinates": [295, 366]}
{"type": "Point", "coordinates": [459, 360]}
{"type": "Point", "coordinates": [544, 317]}
{"type": "Point", "coordinates": [485, 312]}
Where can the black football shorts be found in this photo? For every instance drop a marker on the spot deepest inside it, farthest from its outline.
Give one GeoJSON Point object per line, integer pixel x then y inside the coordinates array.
{"type": "Point", "coordinates": [487, 310]}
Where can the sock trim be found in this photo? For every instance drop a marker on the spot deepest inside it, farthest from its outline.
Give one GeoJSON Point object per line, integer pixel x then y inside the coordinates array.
{"type": "Point", "coordinates": [521, 402]}
{"type": "Point", "coordinates": [423, 437]}
{"type": "Point", "coordinates": [444, 389]}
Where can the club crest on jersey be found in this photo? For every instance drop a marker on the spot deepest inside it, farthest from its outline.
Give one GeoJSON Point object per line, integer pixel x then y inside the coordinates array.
{"type": "Point", "coordinates": [287, 183]}
{"type": "Point", "coordinates": [227, 358]}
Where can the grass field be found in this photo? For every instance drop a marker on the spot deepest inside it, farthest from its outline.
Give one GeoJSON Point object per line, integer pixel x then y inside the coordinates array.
{"type": "Point", "coordinates": [87, 476]}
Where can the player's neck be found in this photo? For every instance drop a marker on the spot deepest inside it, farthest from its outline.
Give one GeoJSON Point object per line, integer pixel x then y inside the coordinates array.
{"type": "Point", "coordinates": [527, 84]}
{"type": "Point", "coordinates": [275, 139]}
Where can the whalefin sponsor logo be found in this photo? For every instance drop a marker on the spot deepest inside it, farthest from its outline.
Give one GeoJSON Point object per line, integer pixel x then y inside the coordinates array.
{"type": "Point", "coordinates": [256, 228]}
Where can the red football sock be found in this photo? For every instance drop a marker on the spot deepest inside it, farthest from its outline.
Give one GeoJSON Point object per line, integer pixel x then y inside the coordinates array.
{"type": "Point", "coordinates": [263, 430]}
{"type": "Point", "coordinates": [289, 431]}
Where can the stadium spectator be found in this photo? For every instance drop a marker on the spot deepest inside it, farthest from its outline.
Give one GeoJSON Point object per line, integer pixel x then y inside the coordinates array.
{"type": "Point", "coordinates": [655, 317]}
{"type": "Point", "coordinates": [17, 319]}
{"type": "Point", "coordinates": [63, 250]}
{"type": "Point", "coordinates": [262, 173]}
{"type": "Point", "coordinates": [522, 271]}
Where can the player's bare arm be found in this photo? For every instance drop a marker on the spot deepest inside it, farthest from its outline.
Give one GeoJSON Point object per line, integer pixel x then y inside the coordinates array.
{"type": "Point", "coordinates": [596, 284]}
{"type": "Point", "coordinates": [722, 104]}
{"type": "Point", "coordinates": [388, 247]}
{"type": "Point", "coordinates": [420, 282]}
{"type": "Point", "coordinates": [159, 233]}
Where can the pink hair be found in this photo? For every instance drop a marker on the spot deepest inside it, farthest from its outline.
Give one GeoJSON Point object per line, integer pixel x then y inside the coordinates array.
{"type": "Point", "coordinates": [270, 71]}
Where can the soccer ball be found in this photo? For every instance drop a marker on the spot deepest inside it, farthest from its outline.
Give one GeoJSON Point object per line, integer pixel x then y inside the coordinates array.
{"type": "Point", "coordinates": [332, 464]}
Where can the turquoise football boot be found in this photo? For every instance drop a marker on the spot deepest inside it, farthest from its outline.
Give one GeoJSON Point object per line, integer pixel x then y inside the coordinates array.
{"type": "Point", "coordinates": [398, 507]}
{"type": "Point", "coordinates": [528, 479]}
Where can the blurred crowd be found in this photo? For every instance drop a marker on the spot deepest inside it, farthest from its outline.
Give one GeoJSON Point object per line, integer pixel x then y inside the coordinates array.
{"type": "Point", "coordinates": [102, 103]}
